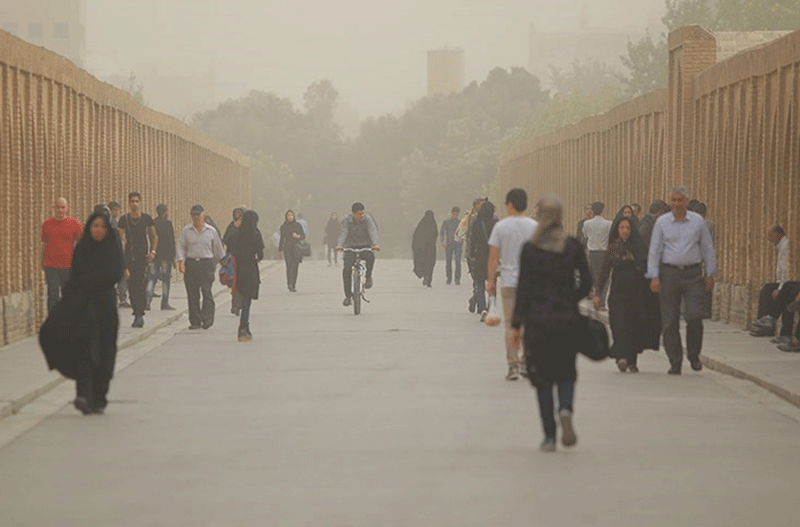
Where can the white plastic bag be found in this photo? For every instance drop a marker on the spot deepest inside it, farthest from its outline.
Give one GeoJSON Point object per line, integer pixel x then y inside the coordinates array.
{"type": "Point", "coordinates": [493, 317]}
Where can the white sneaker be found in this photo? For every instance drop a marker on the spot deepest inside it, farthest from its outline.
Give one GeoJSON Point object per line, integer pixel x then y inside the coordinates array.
{"type": "Point", "coordinates": [568, 437]}
{"type": "Point", "coordinates": [548, 445]}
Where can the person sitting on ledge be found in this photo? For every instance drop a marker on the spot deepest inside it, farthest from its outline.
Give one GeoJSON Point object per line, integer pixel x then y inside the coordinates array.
{"type": "Point", "coordinates": [776, 296]}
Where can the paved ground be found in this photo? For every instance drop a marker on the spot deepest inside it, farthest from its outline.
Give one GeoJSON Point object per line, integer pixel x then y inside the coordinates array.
{"type": "Point", "coordinates": [397, 417]}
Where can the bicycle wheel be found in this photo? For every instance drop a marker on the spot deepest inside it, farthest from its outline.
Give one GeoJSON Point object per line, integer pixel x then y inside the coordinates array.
{"type": "Point", "coordinates": [356, 290]}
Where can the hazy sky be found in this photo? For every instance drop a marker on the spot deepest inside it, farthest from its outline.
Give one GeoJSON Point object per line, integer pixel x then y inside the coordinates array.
{"type": "Point", "coordinates": [374, 51]}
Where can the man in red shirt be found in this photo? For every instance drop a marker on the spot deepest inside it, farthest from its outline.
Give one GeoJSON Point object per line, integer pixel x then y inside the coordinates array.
{"type": "Point", "coordinates": [59, 236]}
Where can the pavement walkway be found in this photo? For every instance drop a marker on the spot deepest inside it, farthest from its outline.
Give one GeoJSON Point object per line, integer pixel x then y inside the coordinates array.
{"type": "Point", "coordinates": [727, 349]}
{"type": "Point", "coordinates": [398, 417]}
{"type": "Point", "coordinates": [23, 370]}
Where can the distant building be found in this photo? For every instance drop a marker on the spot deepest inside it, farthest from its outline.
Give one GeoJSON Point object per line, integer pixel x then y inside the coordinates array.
{"type": "Point", "coordinates": [58, 25]}
{"type": "Point", "coordinates": [445, 71]}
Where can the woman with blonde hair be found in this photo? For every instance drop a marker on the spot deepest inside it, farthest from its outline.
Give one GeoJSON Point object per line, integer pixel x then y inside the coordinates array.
{"type": "Point", "coordinates": [547, 305]}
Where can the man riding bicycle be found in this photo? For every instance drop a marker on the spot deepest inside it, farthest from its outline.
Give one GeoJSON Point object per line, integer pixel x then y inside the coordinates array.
{"type": "Point", "coordinates": [358, 231]}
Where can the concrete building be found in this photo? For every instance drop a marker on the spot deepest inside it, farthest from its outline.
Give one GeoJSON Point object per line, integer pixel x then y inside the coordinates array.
{"type": "Point", "coordinates": [58, 25]}
{"type": "Point", "coordinates": [445, 71]}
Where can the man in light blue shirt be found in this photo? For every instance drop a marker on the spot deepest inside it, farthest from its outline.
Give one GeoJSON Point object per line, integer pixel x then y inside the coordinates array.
{"type": "Point", "coordinates": [680, 248]}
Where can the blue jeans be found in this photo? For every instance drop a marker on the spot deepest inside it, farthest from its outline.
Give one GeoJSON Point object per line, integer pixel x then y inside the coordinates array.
{"type": "Point", "coordinates": [453, 250]}
{"type": "Point", "coordinates": [244, 316]}
{"type": "Point", "coordinates": [566, 393]}
{"type": "Point", "coordinates": [159, 270]}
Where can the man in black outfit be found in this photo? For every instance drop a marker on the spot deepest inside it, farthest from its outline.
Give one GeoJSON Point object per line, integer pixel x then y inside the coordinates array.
{"type": "Point", "coordinates": [136, 229]}
{"type": "Point", "coordinates": [161, 268]}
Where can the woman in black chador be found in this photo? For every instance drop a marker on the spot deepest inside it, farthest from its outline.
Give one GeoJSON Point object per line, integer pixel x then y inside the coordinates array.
{"type": "Point", "coordinates": [634, 324]}
{"type": "Point", "coordinates": [291, 234]}
{"type": "Point", "coordinates": [423, 244]}
{"type": "Point", "coordinates": [80, 337]}
{"type": "Point", "coordinates": [247, 246]}
{"type": "Point", "coordinates": [479, 253]}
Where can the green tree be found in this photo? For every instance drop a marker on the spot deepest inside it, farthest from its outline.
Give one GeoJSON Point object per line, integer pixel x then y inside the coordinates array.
{"type": "Point", "coordinates": [647, 63]}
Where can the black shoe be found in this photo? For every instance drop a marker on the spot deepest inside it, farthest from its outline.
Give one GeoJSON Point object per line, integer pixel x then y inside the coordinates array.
{"type": "Point", "coordinates": [473, 303]}
{"type": "Point", "coordinates": [368, 283]}
{"type": "Point", "coordinates": [448, 282]}
{"type": "Point", "coordinates": [138, 321]}
{"type": "Point", "coordinates": [206, 325]}
{"type": "Point", "coordinates": [167, 307]}
{"type": "Point", "coordinates": [458, 282]}
{"type": "Point", "coordinates": [348, 301]}
{"type": "Point", "coordinates": [194, 326]}
{"type": "Point", "coordinates": [696, 364]}
{"type": "Point", "coordinates": [82, 404]}
{"type": "Point", "coordinates": [243, 335]}
{"type": "Point", "coordinates": [763, 332]}
{"type": "Point", "coordinates": [675, 370]}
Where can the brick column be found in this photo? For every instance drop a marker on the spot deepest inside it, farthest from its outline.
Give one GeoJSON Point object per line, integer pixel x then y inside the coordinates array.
{"type": "Point", "coordinates": [692, 49]}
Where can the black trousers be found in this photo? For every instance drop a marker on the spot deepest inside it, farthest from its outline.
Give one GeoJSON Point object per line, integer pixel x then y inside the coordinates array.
{"type": "Point", "coordinates": [137, 285]}
{"type": "Point", "coordinates": [198, 279]}
{"type": "Point", "coordinates": [292, 267]}
{"type": "Point", "coordinates": [777, 306]}
{"type": "Point", "coordinates": [348, 260]}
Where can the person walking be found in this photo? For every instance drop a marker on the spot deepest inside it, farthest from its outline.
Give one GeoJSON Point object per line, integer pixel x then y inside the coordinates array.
{"type": "Point", "coordinates": [680, 248]}
{"type": "Point", "coordinates": [634, 325]}
{"type": "Point", "coordinates": [423, 245]}
{"type": "Point", "coordinates": [480, 233]}
{"type": "Point", "coordinates": [465, 230]}
{"type": "Point", "coordinates": [161, 266]}
{"type": "Point", "coordinates": [452, 245]}
{"type": "Point", "coordinates": [505, 248]}
{"type": "Point", "coordinates": [199, 250]}
{"type": "Point", "coordinates": [596, 231]}
{"type": "Point", "coordinates": [122, 286]}
{"type": "Point", "coordinates": [137, 229]}
{"type": "Point", "coordinates": [645, 228]}
{"type": "Point", "coordinates": [331, 237]}
{"type": "Point", "coordinates": [88, 355]}
{"type": "Point", "coordinates": [291, 234]}
{"type": "Point", "coordinates": [587, 215]}
{"type": "Point", "coordinates": [247, 246]}
{"type": "Point", "coordinates": [233, 227]}
{"type": "Point", "coordinates": [547, 306]}
{"type": "Point", "coordinates": [59, 236]}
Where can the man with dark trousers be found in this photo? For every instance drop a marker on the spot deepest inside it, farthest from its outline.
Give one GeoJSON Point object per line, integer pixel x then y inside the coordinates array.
{"type": "Point", "coordinates": [136, 229]}
{"type": "Point", "coordinates": [679, 249]}
{"type": "Point", "coordinates": [161, 267]}
{"type": "Point", "coordinates": [199, 250]}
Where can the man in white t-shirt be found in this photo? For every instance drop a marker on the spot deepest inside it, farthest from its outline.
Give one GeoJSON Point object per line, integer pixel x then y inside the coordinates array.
{"type": "Point", "coordinates": [505, 248]}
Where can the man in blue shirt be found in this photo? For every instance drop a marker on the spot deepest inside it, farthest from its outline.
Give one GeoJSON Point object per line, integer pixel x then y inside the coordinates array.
{"type": "Point", "coordinates": [452, 246]}
{"type": "Point", "coordinates": [679, 249]}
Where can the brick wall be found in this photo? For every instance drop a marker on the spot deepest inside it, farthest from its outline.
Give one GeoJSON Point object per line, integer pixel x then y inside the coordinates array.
{"type": "Point", "coordinates": [65, 133]}
{"type": "Point", "coordinates": [727, 130]}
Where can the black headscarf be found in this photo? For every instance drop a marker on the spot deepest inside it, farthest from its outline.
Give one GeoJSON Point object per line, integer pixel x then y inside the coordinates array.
{"type": "Point", "coordinates": [426, 228]}
{"type": "Point", "coordinates": [96, 265]}
{"type": "Point", "coordinates": [248, 229]}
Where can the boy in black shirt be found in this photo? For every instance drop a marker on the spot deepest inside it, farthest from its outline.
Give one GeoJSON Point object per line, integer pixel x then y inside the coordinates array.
{"type": "Point", "coordinates": [135, 228]}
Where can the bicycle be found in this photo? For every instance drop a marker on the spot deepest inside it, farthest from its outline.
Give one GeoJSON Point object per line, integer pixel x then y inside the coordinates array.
{"type": "Point", "coordinates": [358, 278]}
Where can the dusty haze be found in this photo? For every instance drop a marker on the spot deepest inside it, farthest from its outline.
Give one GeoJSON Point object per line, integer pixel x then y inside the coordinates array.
{"type": "Point", "coordinates": [373, 51]}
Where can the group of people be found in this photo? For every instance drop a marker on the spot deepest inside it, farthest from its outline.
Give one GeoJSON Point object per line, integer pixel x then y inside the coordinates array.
{"type": "Point", "coordinates": [84, 267]}
{"type": "Point", "coordinates": [659, 267]}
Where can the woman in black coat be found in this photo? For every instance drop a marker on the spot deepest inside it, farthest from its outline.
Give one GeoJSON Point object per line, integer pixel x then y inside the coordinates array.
{"type": "Point", "coordinates": [479, 253]}
{"type": "Point", "coordinates": [634, 324]}
{"type": "Point", "coordinates": [247, 246]}
{"type": "Point", "coordinates": [547, 305]}
{"type": "Point", "coordinates": [79, 338]}
{"type": "Point", "coordinates": [291, 234]}
{"type": "Point", "coordinates": [423, 245]}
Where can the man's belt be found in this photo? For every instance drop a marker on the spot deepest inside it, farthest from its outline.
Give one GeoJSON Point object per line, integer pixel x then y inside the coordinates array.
{"type": "Point", "coordinates": [683, 267]}
{"type": "Point", "coordinates": [190, 259]}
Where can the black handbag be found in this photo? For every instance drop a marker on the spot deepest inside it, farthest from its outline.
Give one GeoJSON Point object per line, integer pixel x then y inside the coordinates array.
{"type": "Point", "coordinates": [595, 339]}
{"type": "Point", "coordinates": [303, 249]}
